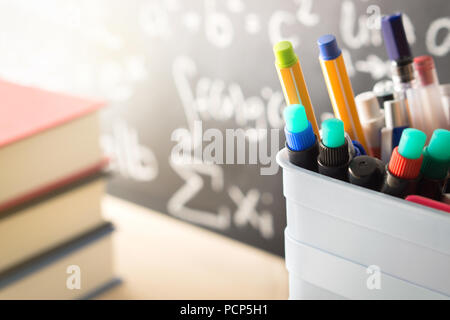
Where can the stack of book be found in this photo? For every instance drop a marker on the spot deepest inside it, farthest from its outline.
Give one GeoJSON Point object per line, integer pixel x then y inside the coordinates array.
{"type": "Point", "coordinates": [54, 243]}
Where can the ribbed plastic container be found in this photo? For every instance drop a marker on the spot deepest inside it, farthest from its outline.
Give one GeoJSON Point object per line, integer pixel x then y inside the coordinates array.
{"type": "Point", "coordinates": [336, 230]}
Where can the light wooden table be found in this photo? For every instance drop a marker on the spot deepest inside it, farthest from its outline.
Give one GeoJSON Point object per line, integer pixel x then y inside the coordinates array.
{"type": "Point", "coordinates": [161, 258]}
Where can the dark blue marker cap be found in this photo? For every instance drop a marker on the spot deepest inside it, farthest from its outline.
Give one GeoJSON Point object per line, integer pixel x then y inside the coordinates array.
{"type": "Point", "coordinates": [394, 35]}
{"type": "Point", "coordinates": [329, 49]}
{"type": "Point", "coordinates": [302, 140]}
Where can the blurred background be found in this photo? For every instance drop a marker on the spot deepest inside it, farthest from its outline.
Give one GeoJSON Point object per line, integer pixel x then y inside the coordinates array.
{"type": "Point", "coordinates": [163, 64]}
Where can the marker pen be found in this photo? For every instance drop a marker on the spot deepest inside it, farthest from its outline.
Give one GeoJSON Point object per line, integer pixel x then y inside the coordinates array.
{"type": "Point", "coordinates": [301, 142]}
{"type": "Point", "coordinates": [292, 80]}
{"type": "Point", "coordinates": [334, 158]}
{"type": "Point", "coordinates": [426, 71]}
{"type": "Point", "coordinates": [372, 121]}
{"type": "Point", "coordinates": [399, 53]}
{"type": "Point", "coordinates": [445, 95]}
{"type": "Point", "coordinates": [403, 171]}
{"type": "Point", "coordinates": [339, 87]}
{"type": "Point", "coordinates": [355, 149]}
{"type": "Point", "coordinates": [384, 90]}
{"type": "Point", "coordinates": [367, 172]}
{"type": "Point", "coordinates": [426, 106]}
{"type": "Point", "coordinates": [435, 166]}
{"type": "Point", "coordinates": [396, 121]}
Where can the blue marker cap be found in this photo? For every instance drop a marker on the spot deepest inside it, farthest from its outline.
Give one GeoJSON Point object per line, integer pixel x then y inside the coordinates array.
{"type": "Point", "coordinates": [299, 133]}
{"type": "Point", "coordinates": [329, 49]}
{"type": "Point", "coordinates": [395, 40]}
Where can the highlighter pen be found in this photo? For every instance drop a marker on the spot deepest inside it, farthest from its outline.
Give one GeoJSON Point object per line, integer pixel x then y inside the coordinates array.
{"type": "Point", "coordinates": [372, 121]}
{"type": "Point", "coordinates": [367, 172]}
{"type": "Point", "coordinates": [399, 53]}
{"type": "Point", "coordinates": [403, 171]}
{"type": "Point", "coordinates": [333, 156]}
{"type": "Point", "coordinates": [292, 80]}
{"type": "Point", "coordinates": [396, 121]}
{"type": "Point", "coordinates": [301, 142]}
{"type": "Point", "coordinates": [339, 87]}
{"type": "Point", "coordinates": [435, 166]}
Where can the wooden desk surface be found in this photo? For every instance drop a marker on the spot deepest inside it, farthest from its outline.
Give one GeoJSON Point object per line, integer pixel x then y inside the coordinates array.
{"type": "Point", "coordinates": [161, 258]}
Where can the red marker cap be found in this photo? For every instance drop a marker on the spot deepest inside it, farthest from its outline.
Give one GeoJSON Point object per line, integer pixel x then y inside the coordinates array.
{"type": "Point", "coordinates": [426, 71]}
{"type": "Point", "coordinates": [404, 168]}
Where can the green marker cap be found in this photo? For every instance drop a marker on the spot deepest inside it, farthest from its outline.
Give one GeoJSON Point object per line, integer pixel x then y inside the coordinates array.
{"type": "Point", "coordinates": [333, 135]}
{"type": "Point", "coordinates": [284, 54]}
{"type": "Point", "coordinates": [295, 117]}
{"type": "Point", "coordinates": [439, 147]}
{"type": "Point", "coordinates": [412, 143]}
{"type": "Point", "coordinates": [436, 157]}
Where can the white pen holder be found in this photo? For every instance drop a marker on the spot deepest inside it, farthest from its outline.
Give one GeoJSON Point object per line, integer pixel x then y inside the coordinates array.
{"type": "Point", "coordinates": [344, 241]}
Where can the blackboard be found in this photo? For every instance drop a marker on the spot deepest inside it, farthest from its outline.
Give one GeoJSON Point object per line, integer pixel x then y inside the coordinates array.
{"type": "Point", "coordinates": [165, 66]}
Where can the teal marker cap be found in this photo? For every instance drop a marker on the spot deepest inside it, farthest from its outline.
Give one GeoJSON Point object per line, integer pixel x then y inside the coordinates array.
{"type": "Point", "coordinates": [334, 154]}
{"type": "Point", "coordinates": [436, 156]}
{"type": "Point", "coordinates": [333, 135]}
{"type": "Point", "coordinates": [295, 117]}
{"type": "Point", "coordinates": [412, 143]}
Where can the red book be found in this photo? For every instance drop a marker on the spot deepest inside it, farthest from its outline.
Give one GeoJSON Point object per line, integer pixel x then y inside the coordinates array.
{"type": "Point", "coordinates": [46, 140]}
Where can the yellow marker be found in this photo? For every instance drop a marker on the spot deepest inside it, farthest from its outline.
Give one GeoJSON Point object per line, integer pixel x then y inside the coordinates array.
{"type": "Point", "coordinates": [292, 81]}
{"type": "Point", "coordinates": [340, 88]}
